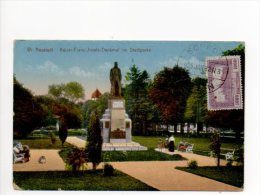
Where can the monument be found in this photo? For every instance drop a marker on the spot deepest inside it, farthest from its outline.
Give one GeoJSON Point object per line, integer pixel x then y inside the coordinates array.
{"type": "Point", "coordinates": [116, 124]}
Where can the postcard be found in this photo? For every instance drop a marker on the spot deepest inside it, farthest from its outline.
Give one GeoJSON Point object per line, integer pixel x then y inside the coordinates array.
{"type": "Point", "coordinates": [128, 115]}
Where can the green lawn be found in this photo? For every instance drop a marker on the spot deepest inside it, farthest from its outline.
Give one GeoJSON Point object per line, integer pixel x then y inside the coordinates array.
{"type": "Point", "coordinates": [201, 145]}
{"type": "Point", "coordinates": [230, 175]}
{"type": "Point", "coordinates": [84, 181]}
{"type": "Point", "coordinates": [43, 143]}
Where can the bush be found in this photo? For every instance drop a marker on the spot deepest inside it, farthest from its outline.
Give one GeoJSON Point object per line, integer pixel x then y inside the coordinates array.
{"type": "Point", "coordinates": [177, 157]}
{"type": "Point", "coordinates": [229, 163]}
{"type": "Point", "coordinates": [52, 137]}
{"type": "Point", "coordinates": [108, 170]}
{"type": "Point", "coordinates": [76, 159]}
{"type": "Point", "coordinates": [193, 164]}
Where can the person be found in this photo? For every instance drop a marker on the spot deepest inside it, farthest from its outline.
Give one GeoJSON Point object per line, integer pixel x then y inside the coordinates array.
{"type": "Point", "coordinates": [171, 143]}
{"type": "Point", "coordinates": [115, 80]}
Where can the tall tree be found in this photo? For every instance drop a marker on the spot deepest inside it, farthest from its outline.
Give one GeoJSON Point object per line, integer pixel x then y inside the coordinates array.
{"type": "Point", "coordinates": [100, 105]}
{"type": "Point", "coordinates": [215, 146]}
{"type": "Point", "coordinates": [169, 91]}
{"type": "Point", "coordinates": [27, 112]}
{"type": "Point", "coordinates": [94, 140]}
{"type": "Point", "coordinates": [196, 108]}
{"type": "Point", "coordinates": [138, 104]}
{"type": "Point", "coordinates": [233, 119]}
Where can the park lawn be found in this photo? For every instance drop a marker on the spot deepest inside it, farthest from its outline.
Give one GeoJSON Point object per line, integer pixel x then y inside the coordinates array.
{"type": "Point", "coordinates": [201, 144]}
{"type": "Point", "coordinates": [120, 156]}
{"type": "Point", "coordinates": [230, 175]}
{"type": "Point", "coordinates": [88, 180]}
{"type": "Point", "coordinates": [43, 143]}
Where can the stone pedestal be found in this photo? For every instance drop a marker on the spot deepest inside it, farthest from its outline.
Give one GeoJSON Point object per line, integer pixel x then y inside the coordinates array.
{"type": "Point", "coordinates": [116, 125]}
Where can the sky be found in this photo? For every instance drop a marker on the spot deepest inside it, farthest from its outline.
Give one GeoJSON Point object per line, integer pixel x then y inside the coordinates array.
{"type": "Point", "coordinates": [38, 64]}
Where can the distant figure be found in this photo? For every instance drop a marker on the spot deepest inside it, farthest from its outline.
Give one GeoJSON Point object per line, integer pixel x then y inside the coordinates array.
{"type": "Point", "coordinates": [115, 79]}
{"type": "Point", "coordinates": [171, 144]}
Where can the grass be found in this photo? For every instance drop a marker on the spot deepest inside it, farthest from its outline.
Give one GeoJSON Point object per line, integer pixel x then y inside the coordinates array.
{"type": "Point", "coordinates": [87, 180]}
{"type": "Point", "coordinates": [201, 144]}
{"type": "Point", "coordinates": [120, 156]}
{"type": "Point", "coordinates": [230, 175]}
{"type": "Point", "coordinates": [43, 143]}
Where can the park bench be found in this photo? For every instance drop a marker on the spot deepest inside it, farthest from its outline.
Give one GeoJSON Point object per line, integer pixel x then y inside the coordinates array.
{"type": "Point", "coordinates": [228, 155]}
{"type": "Point", "coordinates": [185, 147]}
{"type": "Point", "coordinates": [21, 153]}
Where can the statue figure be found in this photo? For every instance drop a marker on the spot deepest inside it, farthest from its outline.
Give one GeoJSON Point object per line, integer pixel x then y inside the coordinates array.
{"type": "Point", "coordinates": [115, 79]}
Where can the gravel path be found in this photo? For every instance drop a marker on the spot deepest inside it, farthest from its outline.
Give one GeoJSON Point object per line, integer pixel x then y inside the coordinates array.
{"type": "Point", "coordinates": [161, 175]}
{"type": "Point", "coordinates": [53, 161]}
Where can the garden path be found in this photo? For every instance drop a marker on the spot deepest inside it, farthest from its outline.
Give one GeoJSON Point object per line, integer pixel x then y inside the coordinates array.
{"type": "Point", "coordinates": [53, 161]}
{"type": "Point", "coordinates": [161, 175]}
{"type": "Point", "coordinates": [76, 141]}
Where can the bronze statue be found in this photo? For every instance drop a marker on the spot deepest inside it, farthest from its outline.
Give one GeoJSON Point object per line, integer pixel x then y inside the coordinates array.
{"type": "Point", "coordinates": [115, 79]}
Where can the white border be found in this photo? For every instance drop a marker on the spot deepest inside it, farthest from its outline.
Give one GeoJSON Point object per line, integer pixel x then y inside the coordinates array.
{"type": "Point", "coordinates": [137, 20]}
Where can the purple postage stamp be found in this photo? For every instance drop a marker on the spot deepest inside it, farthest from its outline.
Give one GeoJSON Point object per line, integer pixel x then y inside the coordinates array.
{"type": "Point", "coordinates": [224, 83]}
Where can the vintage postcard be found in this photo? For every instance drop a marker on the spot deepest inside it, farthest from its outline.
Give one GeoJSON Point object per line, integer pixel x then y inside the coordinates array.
{"type": "Point", "coordinates": [128, 115]}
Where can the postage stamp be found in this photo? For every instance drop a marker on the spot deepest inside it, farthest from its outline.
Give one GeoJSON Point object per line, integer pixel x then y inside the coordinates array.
{"type": "Point", "coordinates": [224, 83]}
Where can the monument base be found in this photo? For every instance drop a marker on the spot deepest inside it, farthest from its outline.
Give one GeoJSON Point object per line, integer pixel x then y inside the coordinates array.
{"type": "Point", "coordinates": [132, 146]}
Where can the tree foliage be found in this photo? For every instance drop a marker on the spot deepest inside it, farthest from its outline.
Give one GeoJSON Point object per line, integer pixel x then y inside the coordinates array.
{"type": "Point", "coordinates": [138, 104]}
{"type": "Point", "coordinates": [94, 140]}
{"type": "Point", "coordinates": [73, 91]}
{"type": "Point", "coordinates": [196, 108]}
{"type": "Point", "coordinates": [28, 114]}
{"type": "Point", "coordinates": [100, 105]}
{"type": "Point", "coordinates": [169, 91]}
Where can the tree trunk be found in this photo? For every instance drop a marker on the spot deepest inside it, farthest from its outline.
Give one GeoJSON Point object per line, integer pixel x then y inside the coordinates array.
{"type": "Point", "coordinates": [94, 166]}
{"type": "Point", "coordinates": [182, 129]}
{"type": "Point", "coordinates": [144, 128]}
{"type": "Point", "coordinates": [199, 127]}
{"type": "Point", "coordinates": [175, 129]}
{"type": "Point", "coordinates": [218, 160]}
{"type": "Point", "coordinates": [188, 127]}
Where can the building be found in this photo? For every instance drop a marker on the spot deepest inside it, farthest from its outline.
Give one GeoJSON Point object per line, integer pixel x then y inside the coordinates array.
{"type": "Point", "coordinates": [95, 95]}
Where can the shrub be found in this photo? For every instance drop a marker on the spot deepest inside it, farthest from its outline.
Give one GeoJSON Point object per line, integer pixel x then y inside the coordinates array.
{"type": "Point", "coordinates": [193, 164]}
{"type": "Point", "coordinates": [52, 137]}
{"type": "Point", "coordinates": [63, 132]}
{"type": "Point", "coordinates": [108, 170]}
{"type": "Point", "coordinates": [239, 156]}
{"type": "Point", "coordinates": [229, 163]}
{"type": "Point", "coordinates": [76, 159]}
{"type": "Point", "coordinates": [177, 157]}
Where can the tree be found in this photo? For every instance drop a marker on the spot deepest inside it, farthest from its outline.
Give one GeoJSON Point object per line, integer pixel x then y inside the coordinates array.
{"type": "Point", "coordinates": [63, 108]}
{"type": "Point", "coordinates": [215, 146]}
{"type": "Point", "coordinates": [230, 119]}
{"type": "Point", "coordinates": [63, 131]}
{"type": "Point", "coordinates": [72, 91]}
{"type": "Point", "coordinates": [196, 108]}
{"type": "Point", "coordinates": [94, 140]}
{"type": "Point", "coordinates": [169, 91]}
{"type": "Point", "coordinates": [28, 114]}
{"type": "Point", "coordinates": [138, 104]}
{"type": "Point", "coordinates": [100, 105]}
